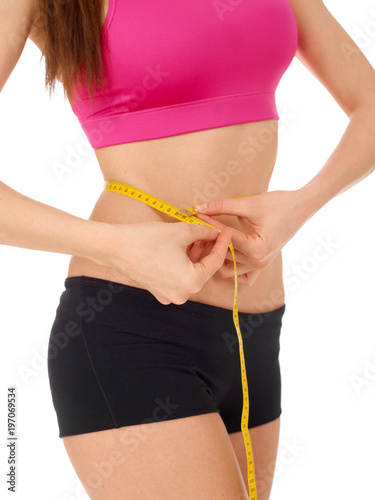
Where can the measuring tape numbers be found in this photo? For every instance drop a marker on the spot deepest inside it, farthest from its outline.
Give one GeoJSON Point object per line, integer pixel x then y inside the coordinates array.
{"type": "Point", "coordinates": [187, 215]}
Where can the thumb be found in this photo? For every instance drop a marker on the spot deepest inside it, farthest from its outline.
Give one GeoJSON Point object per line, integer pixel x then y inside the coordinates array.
{"type": "Point", "coordinates": [225, 206]}
{"type": "Point", "coordinates": [215, 259]}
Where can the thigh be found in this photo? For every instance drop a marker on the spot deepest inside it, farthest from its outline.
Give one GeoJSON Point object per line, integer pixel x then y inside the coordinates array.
{"type": "Point", "coordinates": [186, 458]}
{"type": "Point", "coordinates": [264, 440]}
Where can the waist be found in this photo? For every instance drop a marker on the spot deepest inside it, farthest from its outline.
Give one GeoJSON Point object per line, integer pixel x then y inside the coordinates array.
{"type": "Point", "coordinates": [266, 294]}
{"type": "Point", "coordinates": [183, 170]}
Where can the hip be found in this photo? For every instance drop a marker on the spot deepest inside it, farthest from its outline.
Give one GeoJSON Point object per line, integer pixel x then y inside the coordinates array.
{"type": "Point", "coordinates": [115, 351]}
{"type": "Point", "coordinates": [266, 294]}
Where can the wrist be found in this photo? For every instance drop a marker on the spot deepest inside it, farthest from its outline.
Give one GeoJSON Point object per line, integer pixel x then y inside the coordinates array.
{"type": "Point", "coordinates": [309, 199]}
{"type": "Point", "coordinates": [99, 242]}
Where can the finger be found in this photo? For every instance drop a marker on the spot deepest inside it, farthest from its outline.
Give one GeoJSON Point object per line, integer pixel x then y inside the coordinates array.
{"type": "Point", "coordinates": [239, 256]}
{"type": "Point", "coordinates": [248, 278]}
{"type": "Point", "coordinates": [200, 249]}
{"type": "Point", "coordinates": [211, 220]}
{"type": "Point", "coordinates": [241, 241]}
{"type": "Point", "coordinates": [207, 249]}
{"type": "Point", "coordinates": [225, 206]}
{"type": "Point", "coordinates": [196, 250]}
{"type": "Point", "coordinates": [247, 244]}
{"type": "Point", "coordinates": [159, 296]}
{"type": "Point", "coordinates": [192, 233]}
{"type": "Point", "coordinates": [238, 238]}
{"type": "Point", "coordinates": [214, 222]}
{"type": "Point", "coordinates": [227, 269]}
{"type": "Point", "coordinates": [212, 262]}
{"type": "Point", "coordinates": [240, 259]}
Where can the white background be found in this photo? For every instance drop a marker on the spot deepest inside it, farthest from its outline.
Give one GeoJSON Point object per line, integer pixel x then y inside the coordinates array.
{"type": "Point", "coordinates": [328, 328]}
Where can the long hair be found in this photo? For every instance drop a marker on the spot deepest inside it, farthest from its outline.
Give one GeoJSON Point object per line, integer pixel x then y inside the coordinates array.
{"type": "Point", "coordinates": [70, 32]}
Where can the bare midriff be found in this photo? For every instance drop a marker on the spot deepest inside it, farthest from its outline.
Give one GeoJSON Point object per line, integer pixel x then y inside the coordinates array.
{"type": "Point", "coordinates": [223, 162]}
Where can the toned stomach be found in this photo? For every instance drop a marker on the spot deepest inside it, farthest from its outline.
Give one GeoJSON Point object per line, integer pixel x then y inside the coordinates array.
{"type": "Point", "coordinates": [224, 162]}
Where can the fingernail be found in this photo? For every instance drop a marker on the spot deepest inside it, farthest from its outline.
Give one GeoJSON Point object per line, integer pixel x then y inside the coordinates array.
{"type": "Point", "coordinates": [201, 207]}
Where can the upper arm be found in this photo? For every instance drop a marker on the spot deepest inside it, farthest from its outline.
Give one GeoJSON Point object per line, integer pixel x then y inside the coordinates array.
{"type": "Point", "coordinates": [16, 21]}
{"type": "Point", "coordinates": [332, 56]}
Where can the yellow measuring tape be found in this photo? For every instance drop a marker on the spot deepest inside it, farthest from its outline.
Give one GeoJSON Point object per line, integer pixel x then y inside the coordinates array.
{"type": "Point", "coordinates": [187, 215]}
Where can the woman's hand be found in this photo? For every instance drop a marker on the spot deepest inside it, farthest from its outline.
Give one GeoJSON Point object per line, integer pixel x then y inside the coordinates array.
{"type": "Point", "coordinates": [275, 218]}
{"type": "Point", "coordinates": [155, 255]}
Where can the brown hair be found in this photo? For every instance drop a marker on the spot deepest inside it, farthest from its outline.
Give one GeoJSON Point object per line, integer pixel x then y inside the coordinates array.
{"type": "Point", "coordinates": [70, 33]}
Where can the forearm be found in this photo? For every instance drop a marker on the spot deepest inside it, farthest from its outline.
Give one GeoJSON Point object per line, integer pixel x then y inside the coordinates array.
{"type": "Point", "coordinates": [351, 161]}
{"type": "Point", "coordinates": [27, 223]}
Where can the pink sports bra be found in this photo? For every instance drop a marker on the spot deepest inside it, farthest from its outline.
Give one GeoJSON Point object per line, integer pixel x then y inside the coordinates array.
{"type": "Point", "coordinates": [181, 66]}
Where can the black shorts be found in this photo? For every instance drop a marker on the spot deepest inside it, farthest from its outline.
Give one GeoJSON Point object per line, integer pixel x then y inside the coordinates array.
{"type": "Point", "coordinates": [118, 357]}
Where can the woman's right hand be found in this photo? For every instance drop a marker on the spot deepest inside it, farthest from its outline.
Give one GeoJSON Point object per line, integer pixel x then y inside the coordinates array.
{"type": "Point", "coordinates": [155, 255]}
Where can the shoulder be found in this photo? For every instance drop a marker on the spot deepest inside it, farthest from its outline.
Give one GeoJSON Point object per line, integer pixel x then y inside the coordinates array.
{"type": "Point", "coordinates": [20, 13]}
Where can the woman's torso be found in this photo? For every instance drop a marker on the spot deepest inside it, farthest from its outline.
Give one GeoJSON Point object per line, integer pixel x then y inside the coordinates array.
{"type": "Point", "coordinates": [183, 170]}
{"type": "Point", "coordinates": [223, 162]}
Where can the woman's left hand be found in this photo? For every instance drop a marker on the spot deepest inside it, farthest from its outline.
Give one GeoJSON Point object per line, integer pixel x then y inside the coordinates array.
{"type": "Point", "coordinates": [275, 218]}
